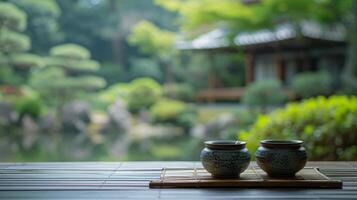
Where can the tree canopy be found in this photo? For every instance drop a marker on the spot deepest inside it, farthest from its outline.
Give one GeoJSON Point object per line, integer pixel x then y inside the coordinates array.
{"type": "Point", "coordinates": [43, 26]}
{"type": "Point", "coordinates": [66, 74]}
{"type": "Point", "coordinates": [12, 17]}
{"type": "Point", "coordinates": [13, 45]}
{"type": "Point", "coordinates": [152, 40]}
{"type": "Point", "coordinates": [242, 15]}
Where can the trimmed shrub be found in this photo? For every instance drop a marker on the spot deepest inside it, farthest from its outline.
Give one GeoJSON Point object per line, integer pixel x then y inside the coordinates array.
{"type": "Point", "coordinates": [12, 17]}
{"type": "Point", "coordinates": [263, 93]}
{"type": "Point", "coordinates": [179, 91]}
{"type": "Point", "coordinates": [167, 110]}
{"type": "Point", "coordinates": [73, 51]}
{"type": "Point", "coordinates": [144, 92]}
{"type": "Point", "coordinates": [29, 105]}
{"type": "Point", "coordinates": [327, 125]}
{"type": "Point", "coordinates": [173, 112]}
{"type": "Point", "coordinates": [109, 95]}
{"type": "Point", "coordinates": [312, 84]}
{"type": "Point", "coordinates": [24, 60]}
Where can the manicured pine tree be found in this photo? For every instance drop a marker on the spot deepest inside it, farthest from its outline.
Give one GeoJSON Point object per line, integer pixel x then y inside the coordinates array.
{"type": "Point", "coordinates": [67, 74]}
{"type": "Point", "coordinates": [15, 63]}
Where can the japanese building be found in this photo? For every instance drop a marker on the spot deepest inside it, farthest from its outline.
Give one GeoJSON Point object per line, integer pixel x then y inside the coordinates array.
{"type": "Point", "coordinates": [279, 53]}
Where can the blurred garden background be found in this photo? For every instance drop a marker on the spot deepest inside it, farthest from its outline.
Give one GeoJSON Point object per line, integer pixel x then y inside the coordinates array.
{"type": "Point", "coordinates": [119, 80]}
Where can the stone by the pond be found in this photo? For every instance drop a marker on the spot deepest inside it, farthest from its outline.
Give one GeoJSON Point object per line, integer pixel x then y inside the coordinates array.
{"type": "Point", "coordinates": [30, 132]}
{"type": "Point", "coordinates": [118, 118]}
{"type": "Point", "coordinates": [75, 116]}
{"type": "Point", "coordinates": [7, 115]}
{"type": "Point", "coordinates": [48, 122]}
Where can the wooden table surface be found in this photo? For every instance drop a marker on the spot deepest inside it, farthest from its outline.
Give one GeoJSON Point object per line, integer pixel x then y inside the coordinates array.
{"type": "Point", "coordinates": [129, 180]}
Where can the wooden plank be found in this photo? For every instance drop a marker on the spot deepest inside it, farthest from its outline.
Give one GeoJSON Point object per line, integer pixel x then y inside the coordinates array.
{"type": "Point", "coordinates": [129, 180]}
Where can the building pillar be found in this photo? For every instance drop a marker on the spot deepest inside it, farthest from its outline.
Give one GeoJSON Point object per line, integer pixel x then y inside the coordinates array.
{"type": "Point", "coordinates": [249, 68]}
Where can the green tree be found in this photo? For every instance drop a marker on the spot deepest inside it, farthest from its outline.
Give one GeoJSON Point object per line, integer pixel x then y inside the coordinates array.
{"type": "Point", "coordinates": [155, 42]}
{"type": "Point", "coordinates": [67, 74]}
{"type": "Point", "coordinates": [15, 63]}
{"type": "Point", "coordinates": [107, 25]}
{"type": "Point", "coordinates": [42, 27]}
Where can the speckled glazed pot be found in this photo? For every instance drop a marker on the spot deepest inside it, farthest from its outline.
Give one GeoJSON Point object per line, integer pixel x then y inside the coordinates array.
{"type": "Point", "coordinates": [281, 158]}
{"type": "Point", "coordinates": [225, 158]}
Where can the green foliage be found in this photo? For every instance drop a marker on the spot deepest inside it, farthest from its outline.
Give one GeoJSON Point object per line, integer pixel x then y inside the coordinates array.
{"type": "Point", "coordinates": [312, 84]}
{"type": "Point", "coordinates": [349, 76]}
{"type": "Point", "coordinates": [144, 92]}
{"type": "Point", "coordinates": [230, 69]}
{"type": "Point", "coordinates": [14, 63]}
{"type": "Point", "coordinates": [64, 77]}
{"type": "Point", "coordinates": [43, 23]}
{"type": "Point", "coordinates": [25, 60]}
{"type": "Point", "coordinates": [327, 125]}
{"type": "Point", "coordinates": [202, 13]}
{"type": "Point", "coordinates": [174, 112]}
{"type": "Point", "coordinates": [73, 64]}
{"type": "Point", "coordinates": [75, 59]}
{"type": "Point", "coordinates": [46, 80]}
{"type": "Point", "coordinates": [12, 17]}
{"type": "Point", "coordinates": [84, 82]}
{"type": "Point", "coordinates": [152, 40]}
{"type": "Point", "coordinates": [100, 31]}
{"type": "Point", "coordinates": [109, 95]}
{"type": "Point", "coordinates": [167, 110]}
{"type": "Point", "coordinates": [140, 93]}
{"type": "Point", "coordinates": [70, 51]}
{"type": "Point", "coordinates": [165, 152]}
{"type": "Point", "coordinates": [211, 12]}
{"type": "Point", "coordinates": [165, 148]}
{"type": "Point", "coordinates": [49, 7]}
{"type": "Point", "coordinates": [195, 71]}
{"type": "Point", "coordinates": [13, 42]}
{"type": "Point", "coordinates": [29, 105]}
{"type": "Point", "coordinates": [142, 67]}
{"type": "Point", "coordinates": [179, 91]}
{"type": "Point", "coordinates": [8, 76]}
{"type": "Point", "coordinates": [112, 72]}
{"type": "Point", "coordinates": [57, 82]}
{"type": "Point", "coordinates": [263, 93]}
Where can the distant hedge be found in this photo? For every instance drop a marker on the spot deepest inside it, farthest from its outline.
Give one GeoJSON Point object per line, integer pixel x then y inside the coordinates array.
{"type": "Point", "coordinates": [309, 84]}
{"type": "Point", "coordinates": [174, 112]}
{"type": "Point", "coordinates": [264, 93]}
{"type": "Point", "coordinates": [144, 92]}
{"type": "Point", "coordinates": [327, 125]}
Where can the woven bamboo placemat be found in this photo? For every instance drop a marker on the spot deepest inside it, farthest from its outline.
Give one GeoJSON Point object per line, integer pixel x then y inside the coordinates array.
{"type": "Point", "coordinates": [252, 177]}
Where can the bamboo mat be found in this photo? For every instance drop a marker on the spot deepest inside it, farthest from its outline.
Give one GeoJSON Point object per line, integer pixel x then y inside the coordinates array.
{"type": "Point", "coordinates": [252, 177]}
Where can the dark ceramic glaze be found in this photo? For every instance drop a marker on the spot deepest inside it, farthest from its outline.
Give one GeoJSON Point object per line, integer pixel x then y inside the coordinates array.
{"type": "Point", "coordinates": [281, 158]}
{"type": "Point", "coordinates": [225, 159]}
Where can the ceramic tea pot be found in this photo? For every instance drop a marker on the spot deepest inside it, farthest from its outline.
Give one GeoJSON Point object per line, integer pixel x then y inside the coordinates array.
{"type": "Point", "coordinates": [225, 158]}
{"type": "Point", "coordinates": [281, 158]}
